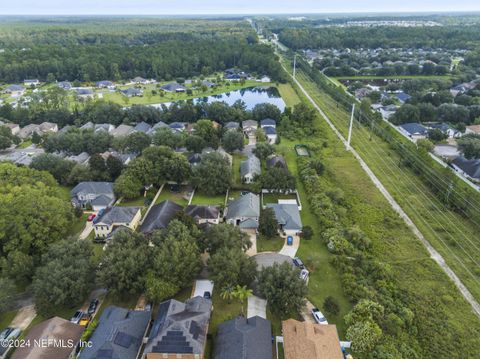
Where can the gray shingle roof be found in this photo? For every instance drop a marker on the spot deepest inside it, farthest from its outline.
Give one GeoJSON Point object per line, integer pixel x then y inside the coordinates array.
{"type": "Point", "coordinates": [118, 214]}
{"type": "Point", "coordinates": [172, 87]}
{"type": "Point", "coordinates": [122, 130]}
{"type": "Point", "coordinates": [414, 129]}
{"type": "Point", "coordinates": [247, 205]}
{"type": "Point", "coordinates": [142, 127]}
{"type": "Point", "coordinates": [119, 334]}
{"type": "Point", "coordinates": [287, 215]}
{"type": "Point", "coordinates": [268, 122]}
{"type": "Point", "coordinates": [232, 125]}
{"type": "Point", "coordinates": [160, 216]}
{"type": "Point", "coordinates": [180, 327]}
{"type": "Point", "coordinates": [276, 161]}
{"type": "Point", "coordinates": [132, 92]}
{"type": "Point", "coordinates": [242, 338]}
{"type": "Point", "coordinates": [202, 212]}
{"type": "Point", "coordinates": [98, 189]}
{"type": "Point", "coordinates": [470, 167]}
{"type": "Point", "coordinates": [251, 165]}
{"type": "Point", "coordinates": [249, 123]}
{"type": "Point", "coordinates": [270, 130]}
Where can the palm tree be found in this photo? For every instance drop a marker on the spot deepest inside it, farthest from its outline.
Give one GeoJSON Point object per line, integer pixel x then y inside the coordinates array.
{"type": "Point", "coordinates": [227, 294]}
{"type": "Point", "coordinates": [242, 294]}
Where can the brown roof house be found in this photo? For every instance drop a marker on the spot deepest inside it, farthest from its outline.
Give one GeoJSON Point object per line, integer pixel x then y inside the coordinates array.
{"type": "Point", "coordinates": [55, 338]}
{"type": "Point", "coordinates": [302, 340]}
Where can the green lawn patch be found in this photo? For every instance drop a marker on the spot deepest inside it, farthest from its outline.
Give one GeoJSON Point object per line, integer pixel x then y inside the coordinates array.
{"type": "Point", "coordinates": [237, 159]}
{"type": "Point", "coordinates": [78, 224]}
{"type": "Point", "coordinates": [223, 310]}
{"type": "Point", "coordinates": [204, 199]}
{"type": "Point", "coordinates": [269, 244]}
{"type": "Point", "coordinates": [127, 301]}
{"type": "Point", "coordinates": [180, 198]}
{"type": "Point", "coordinates": [6, 318]}
{"type": "Point", "coordinates": [25, 144]}
{"type": "Point", "coordinates": [288, 94]}
{"type": "Point", "coordinates": [274, 197]}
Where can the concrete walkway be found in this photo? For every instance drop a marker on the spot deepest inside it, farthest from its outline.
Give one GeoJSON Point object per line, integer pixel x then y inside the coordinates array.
{"type": "Point", "coordinates": [256, 306]}
{"type": "Point", "coordinates": [290, 251]}
{"type": "Point", "coordinates": [86, 231]}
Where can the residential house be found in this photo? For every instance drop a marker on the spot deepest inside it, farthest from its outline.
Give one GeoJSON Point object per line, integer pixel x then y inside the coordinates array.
{"type": "Point", "coordinates": [250, 168]}
{"type": "Point", "coordinates": [178, 126]}
{"type": "Point", "coordinates": [475, 129]}
{"type": "Point", "coordinates": [403, 97]}
{"type": "Point", "coordinates": [208, 83]}
{"type": "Point", "coordinates": [119, 334]}
{"type": "Point", "coordinates": [232, 126]}
{"type": "Point", "coordinates": [15, 90]}
{"type": "Point", "coordinates": [84, 93]}
{"type": "Point", "coordinates": [235, 74]}
{"type": "Point", "coordinates": [362, 93]}
{"type": "Point", "coordinates": [66, 128]}
{"type": "Point", "coordinates": [271, 134]}
{"type": "Point", "coordinates": [243, 338]}
{"type": "Point", "coordinates": [88, 126]}
{"type": "Point", "coordinates": [14, 128]}
{"type": "Point", "coordinates": [303, 340]}
{"type": "Point", "coordinates": [204, 214]}
{"type": "Point", "coordinates": [98, 195]}
{"type": "Point", "coordinates": [31, 82]}
{"type": "Point", "coordinates": [28, 130]}
{"type": "Point", "coordinates": [65, 85]}
{"type": "Point", "coordinates": [244, 212]}
{"type": "Point", "coordinates": [249, 127]}
{"type": "Point", "coordinates": [44, 339]}
{"type": "Point", "coordinates": [45, 127]}
{"type": "Point", "coordinates": [142, 127]}
{"type": "Point", "coordinates": [469, 168]}
{"type": "Point", "coordinates": [264, 79]}
{"type": "Point", "coordinates": [160, 216]}
{"type": "Point", "coordinates": [446, 129]}
{"type": "Point", "coordinates": [276, 161]}
{"type": "Point", "coordinates": [288, 217]}
{"type": "Point", "coordinates": [463, 88]}
{"type": "Point", "coordinates": [106, 85]}
{"type": "Point", "coordinates": [124, 157]}
{"type": "Point", "coordinates": [220, 151]}
{"type": "Point", "coordinates": [107, 127]}
{"type": "Point", "coordinates": [122, 131]}
{"type": "Point", "coordinates": [180, 330]}
{"type": "Point", "coordinates": [81, 158]}
{"type": "Point", "coordinates": [114, 217]}
{"type": "Point", "coordinates": [132, 92]}
{"type": "Point", "coordinates": [173, 87]}
{"type": "Point", "coordinates": [157, 126]}
{"type": "Point", "coordinates": [414, 130]}
{"type": "Point", "coordinates": [268, 122]}
{"type": "Point", "coordinates": [142, 81]}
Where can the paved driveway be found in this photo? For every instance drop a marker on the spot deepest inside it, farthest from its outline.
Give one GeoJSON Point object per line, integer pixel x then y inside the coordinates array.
{"type": "Point", "coordinates": [307, 312]}
{"type": "Point", "coordinates": [86, 231]}
{"type": "Point", "coordinates": [24, 317]}
{"type": "Point", "coordinates": [253, 238]}
{"type": "Point", "coordinates": [256, 306]}
{"type": "Point", "coordinates": [202, 286]}
{"type": "Point", "coordinates": [291, 251]}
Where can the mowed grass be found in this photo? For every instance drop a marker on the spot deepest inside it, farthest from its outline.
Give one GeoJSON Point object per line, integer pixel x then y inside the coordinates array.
{"type": "Point", "coordinates": [180, 197]}
{"type": "Point", "coordinates": [200, 198]}
{"type": "Point", "coordinates": [237, 160]}
{"type": "Point", "coordinates": [288, 94]}
{"type": "Point", "coordinates": [269, 244]}
{"type": "Point", "coordinates": [6, 318]}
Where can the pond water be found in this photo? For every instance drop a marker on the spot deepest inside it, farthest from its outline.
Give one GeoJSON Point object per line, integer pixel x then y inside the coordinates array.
{"type": "Point", "coordinates": [251, 96]}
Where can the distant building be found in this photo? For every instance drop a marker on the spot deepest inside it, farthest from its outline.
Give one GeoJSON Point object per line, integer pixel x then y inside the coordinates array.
{"type": "Point", "coordinates": [232, 126]}
{"type": "Point", "coordinates": [403, 97]}
{"type": "Point", "coordinates": [132, 92]}
{"type": "Point", "coordinates": [142, 81]}
{"type": "Point", "coordinates": [106, 84]}
{"type": "Point", "coordinates": [249, 127]}
{"type": "Point", "coordinates": [414, 130]}
{"type": "Point", "coordinates": [142, 127]}
{"type": "Point", "coordinates": [271, 134]}
{"type": "Point", "coordinates": [65, 85]}
{"type": "Point", "coordinates": [122, 131]}
{"type": "Point", "coordinates": [84, 93]}
{"type": "Point", "coordinates": [15, 90]}
{"type": "Point", "coordinates": [31, 82]}
{"type": "Point", "coordinates": [469, 168]}
{"type": "Point", "coordinates": [180, 330]}
{"type": "Point", "coordinates": [268, 122]}
{"type": "Point", "coordinates": [14, 128]}
{"type": "Point", "coordinates": [475, 129]}
{"type": "Point", "coordinates": [250, 168]}
{"type": "Point", "coordinates": [173, 87]}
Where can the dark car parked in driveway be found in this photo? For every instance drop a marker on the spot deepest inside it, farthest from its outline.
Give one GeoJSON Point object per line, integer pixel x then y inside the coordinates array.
{"type": "Point", "coordinates": [92, 308]}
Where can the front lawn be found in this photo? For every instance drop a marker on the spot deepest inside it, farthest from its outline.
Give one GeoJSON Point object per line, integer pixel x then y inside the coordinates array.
{"type": "Point", "coordinates": [6, 318]}
{"type": "Point", "coordinates": [269, 244]}
{"type": "Point", "coordinates": [204, 199]}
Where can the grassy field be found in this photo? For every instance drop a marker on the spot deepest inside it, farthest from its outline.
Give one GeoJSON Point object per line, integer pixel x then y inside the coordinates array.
{"type": "Point", "coordinates": [395, 77]}
{"type": "Point", "coordinates": [269, 244]}
{"type": "Point", "coordinates": [455, 237]}
{"type": "Point", "coordinates": [6, 318]}
{"type": "Point", "coordinates": [237, 159]}
{"type": "Point", "coordinates": [177, 197]}
{"type": "Point", "coordinates": [288, 94]}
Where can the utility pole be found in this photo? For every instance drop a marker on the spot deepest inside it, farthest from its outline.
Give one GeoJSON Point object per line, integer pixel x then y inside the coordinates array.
{"type": "Point", "coordinates": [294, 65]}
{"type": "Point", "coordinates": [350, 128]}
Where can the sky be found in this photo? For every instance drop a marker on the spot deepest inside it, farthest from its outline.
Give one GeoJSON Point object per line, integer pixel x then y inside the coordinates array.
{"type": "Point", "coordinates": [187, 7]}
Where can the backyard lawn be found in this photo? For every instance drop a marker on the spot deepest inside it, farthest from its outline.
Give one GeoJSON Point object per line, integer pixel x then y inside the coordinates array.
{"type": "Point", "coordinates": [274, 197]}
{"type": "Point", "coordinates": [203, 199]}
{"type": "Point", "coordinates": [223, 310]}
{"type": "Point", "coordinates": [180, 198]}
{"type": "Point", "coordinates": [237, 159]}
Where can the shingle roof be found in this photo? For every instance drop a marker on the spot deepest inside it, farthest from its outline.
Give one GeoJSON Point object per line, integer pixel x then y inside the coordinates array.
{"type": "Point", "coordinates": [15, 88]}
{"type": "Point", "coordinates": [119, 334]}
{"type": "Point", "coordinates": [470, 167]}
{"type": "Point", "coordinates": [302, 340]}
{"type": "Point", "coordinates": [242, 338]}
{"type": "Point", "coordinates": [270, 130]}
{"type": "Point", "coordinates": [287, 215]}
{"type": "Point", "coordinates": [202, 212]}
{"type": "Point", "coordinates": [117, 214]}
{"type": "Point", "coordinates": [97, 188]}
{"type": "Point", "coordinates": [232, 125]}
{"type": "Point", "coordinates": [173, 86]}
{"type": "Point", "coordinates": [160, 216]}
{"type": "Point", "coordinates": [53, 329]}
{"type": "Point", "coordinates": [180, 327]}
{"type": "Point", "coordinates": [249, 123]}
{"type": "Point", "coordinates": [276, 161]}
{"type": "Point", "coordinates": [132, 92]}
{"type": "Point", "coordinates": [250, 166]}
{"type": "Point", "coordinates": [122, 130]}
{"type": "Point", "coordinates": [247, 205]}
{"type": "Point", "coordinates": [268, 122]}
{"type": "Point", "coordinates": [142, 127]}
{"type": "Point", "coordinates": [414, 128]}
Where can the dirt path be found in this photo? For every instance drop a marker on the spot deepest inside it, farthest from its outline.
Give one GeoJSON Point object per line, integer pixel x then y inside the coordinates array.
{"type": "Point", "coordinates": [431, 250]}
{"type": "Point", "coordinates": [24, 317]}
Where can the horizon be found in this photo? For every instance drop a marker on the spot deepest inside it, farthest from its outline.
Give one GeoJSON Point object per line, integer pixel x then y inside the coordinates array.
{"type": "Point", "coordinates": [216, 7]}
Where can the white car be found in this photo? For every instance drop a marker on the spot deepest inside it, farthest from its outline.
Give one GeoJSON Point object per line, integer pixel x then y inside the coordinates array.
{"type": "Point", "coordinates": [304, 274]}
{"type": "Point", "coordinates": [318, 316]}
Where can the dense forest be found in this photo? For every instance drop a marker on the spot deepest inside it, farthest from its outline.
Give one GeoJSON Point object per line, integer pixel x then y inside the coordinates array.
{"type": "Point", "coordinates": [451, 37]}
{"type": "Point", "coordinates": [92, 51]}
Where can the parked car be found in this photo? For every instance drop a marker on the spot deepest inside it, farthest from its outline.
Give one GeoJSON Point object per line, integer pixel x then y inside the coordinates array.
{"type": "Point", "coordinates": [85, 320]}
{"type": "Point", "coordinates": [99, 214]}
{"type": "Point", "coordinates": [9, 334]}
{"type": "Point", "coordinates": [76, 317]}
{"type": "Point", "coordinates": [91, 217]}
{"type": "Point", "coordinates": [298, 263]}
{"type": "Point", "coordinates": [304, 274]}
{"type": "Point", "coordinates": [289, 241]}
{"type": "Point", "coordinates": [92, 308]}
{"type": "Point", "coordinates": [207, 295]}
{"type": "Point", "coordinates": [318, 316]}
